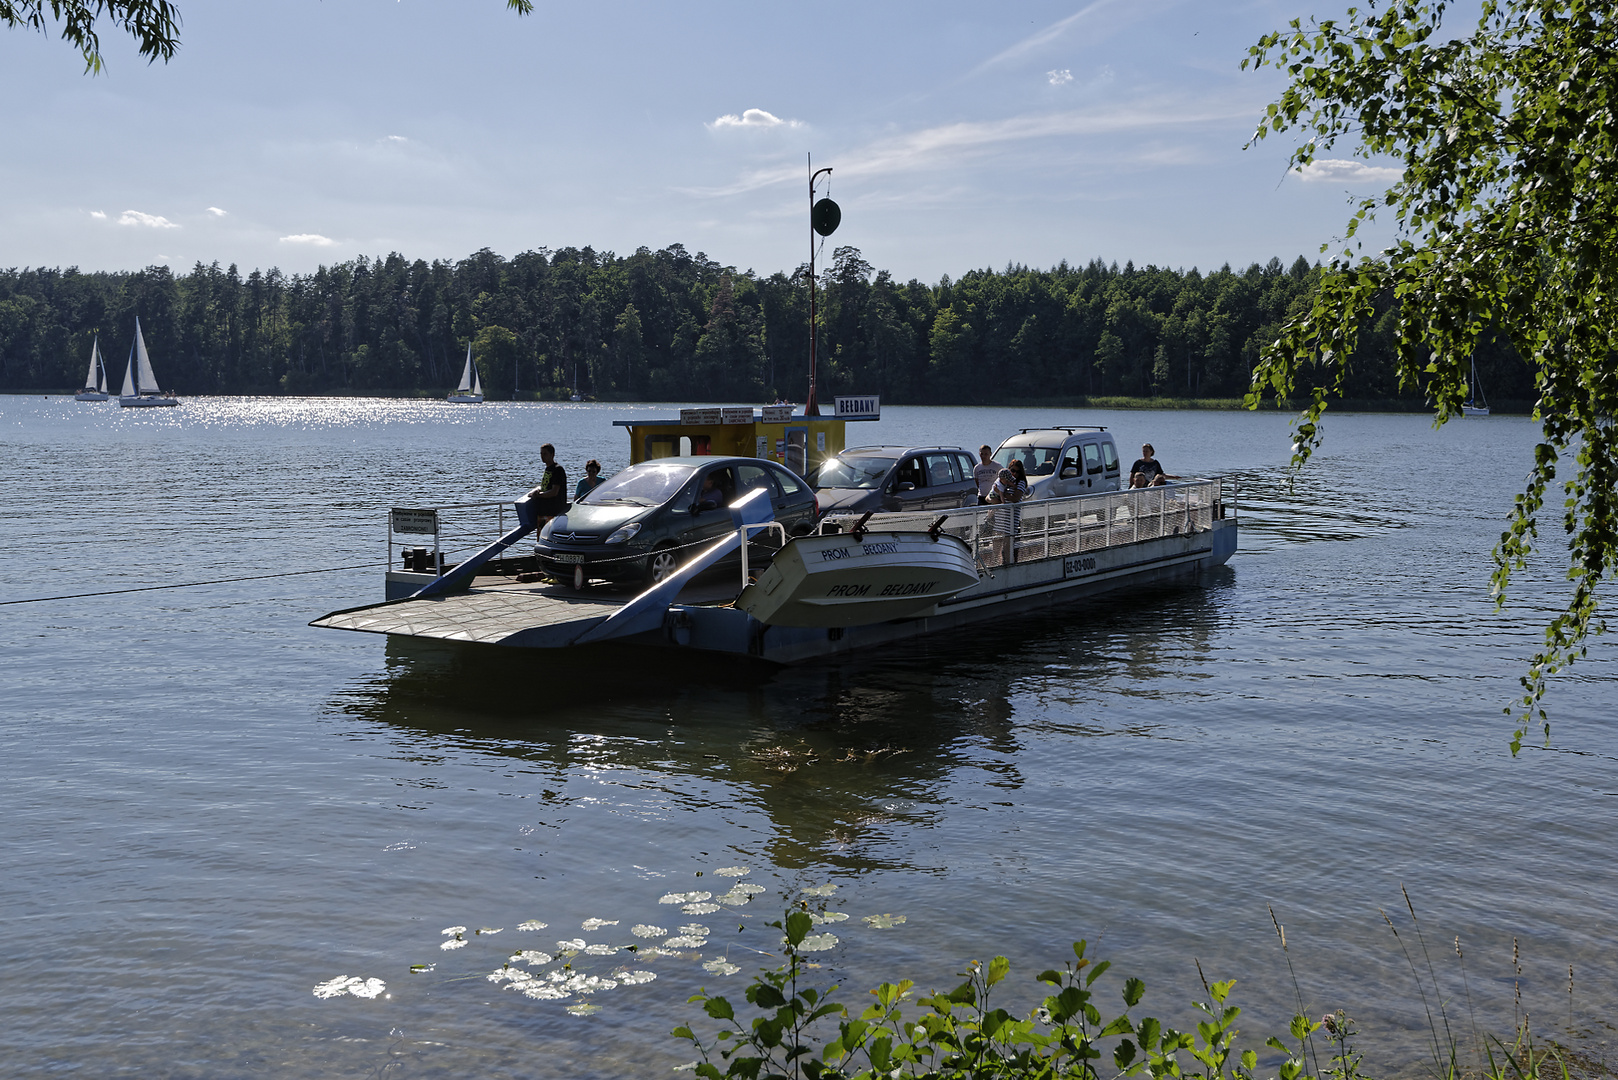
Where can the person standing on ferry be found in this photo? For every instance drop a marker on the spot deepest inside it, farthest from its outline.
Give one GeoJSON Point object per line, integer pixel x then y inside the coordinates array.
{"type": "Point", "coordinates": [589, 481]}
{"type": "Point", "coordinates": [1148, 471]}
{"type": "Point", "coordinates": [985, 473]}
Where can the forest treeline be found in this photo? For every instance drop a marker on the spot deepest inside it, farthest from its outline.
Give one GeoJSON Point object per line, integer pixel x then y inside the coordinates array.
{"type": "Point", "coordinates": [670, 325]}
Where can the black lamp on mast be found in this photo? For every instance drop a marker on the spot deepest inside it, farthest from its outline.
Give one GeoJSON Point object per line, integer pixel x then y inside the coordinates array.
{"type": "Point", "coordinates": [824, 217]}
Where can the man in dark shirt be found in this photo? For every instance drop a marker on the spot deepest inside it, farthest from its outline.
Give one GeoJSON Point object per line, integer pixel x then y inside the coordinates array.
{"type": "Point", "coordinates": [550, 497]}
{"type": "Point", "coordinates": [1148, 471]}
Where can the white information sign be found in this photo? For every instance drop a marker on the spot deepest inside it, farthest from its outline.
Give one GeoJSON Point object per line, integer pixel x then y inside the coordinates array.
{"type": "Point", "coordinates": [699, 417]}
{"type": "Point", "coordinates": [777, 414]}
{"type": "Point", "coordinates": [743, 415]}
{"type": "Point", "coordinates": [865, 407]}
{"type": "Point", "coordinates": [415, 522]}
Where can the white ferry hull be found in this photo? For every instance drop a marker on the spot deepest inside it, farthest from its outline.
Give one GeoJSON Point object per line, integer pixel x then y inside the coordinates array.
{"type": "Point", "coordinates": [465, 399]}
{"type": "Point", "coordinates": [841, 580]}
{"type": "Point", "coordinates": [146, 401]}
{"type": "Point", "coordinates": [92, 395]}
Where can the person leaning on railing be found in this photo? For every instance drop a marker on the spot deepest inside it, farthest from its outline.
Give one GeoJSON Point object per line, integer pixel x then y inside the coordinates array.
{"type": "Point", "coordinates": [1148, 471]}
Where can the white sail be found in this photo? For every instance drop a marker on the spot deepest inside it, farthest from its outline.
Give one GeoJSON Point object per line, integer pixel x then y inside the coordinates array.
{"type": "Point", "coordinates": [477, 383]}
{"type": "Point", "coordinates": [467, 374]}
{"type": "Point", "coordinates": [129, 374]}
{"type": "Point", "coordinates": [147, 383]}
{"type": "Point", "coordinates": [101, 366]}
{"type": "Point", "coordinates": [95, 364]}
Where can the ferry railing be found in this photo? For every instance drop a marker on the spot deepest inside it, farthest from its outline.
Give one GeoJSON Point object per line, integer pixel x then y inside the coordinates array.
{"type": "Point", "coordinates": [1049, 528]}
{"type": "Point", "coordinates": [454, 528]}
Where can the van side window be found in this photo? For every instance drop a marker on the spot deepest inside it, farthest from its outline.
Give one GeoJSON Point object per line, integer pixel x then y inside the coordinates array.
{"type": "Point", "coordinates": [1092, 457]}
{"type": "Point", "coordinates": [1109, 454]}
{"type": "Point", "coordinates": [910, 473]}
{"type": "Point", "coordinates": [791, 483]}
{"type": "Point", "coordinates": [965, 463]}
{"type": "Point", "coordinates": [1070, 464]}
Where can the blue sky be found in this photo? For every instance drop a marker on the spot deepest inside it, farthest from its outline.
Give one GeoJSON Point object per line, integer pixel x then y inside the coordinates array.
{"type": "Point", "coordinates": [961, 135]}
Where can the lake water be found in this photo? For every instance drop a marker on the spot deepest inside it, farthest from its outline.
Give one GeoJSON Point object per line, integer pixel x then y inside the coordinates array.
{"type": "Point", "coordinates": [210, 809]}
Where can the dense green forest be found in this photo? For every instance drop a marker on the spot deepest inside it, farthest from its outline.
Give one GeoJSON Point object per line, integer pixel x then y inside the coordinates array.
{"type": "Point", "coordinates": [669, 325]}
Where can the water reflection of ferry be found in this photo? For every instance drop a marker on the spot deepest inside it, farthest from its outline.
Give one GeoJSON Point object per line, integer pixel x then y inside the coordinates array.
{"type": "Point", "coordinates": [859, 581]}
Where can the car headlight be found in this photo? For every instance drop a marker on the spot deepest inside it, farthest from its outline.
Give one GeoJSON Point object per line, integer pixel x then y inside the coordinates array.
{"type": "Point", "coordinates": [624, 533]}
{"type": "Point", "coordinates": [545, 530]}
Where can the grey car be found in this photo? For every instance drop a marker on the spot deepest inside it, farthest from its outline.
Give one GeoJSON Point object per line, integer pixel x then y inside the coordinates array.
{"type": "Point", "coordinates": [641, 524]}
{"type": "Point", "coordinates": [893, 478]}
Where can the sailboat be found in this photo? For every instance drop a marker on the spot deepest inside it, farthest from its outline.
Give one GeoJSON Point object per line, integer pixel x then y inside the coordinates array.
{"type": "Point", "coordinates": [470, 392]}
{"type": "Point", "coordinates": [95, 382]}
{"type": "Point", "coordinates": [140, 385]}
{"type": "Point", "coordinates": [575, 396]}
{"type": "Point", "coordinates": [1474, 405]}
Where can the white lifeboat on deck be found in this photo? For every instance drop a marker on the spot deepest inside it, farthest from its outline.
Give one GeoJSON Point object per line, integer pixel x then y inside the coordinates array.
{"type": "Point", "coordinates": [858, 578]}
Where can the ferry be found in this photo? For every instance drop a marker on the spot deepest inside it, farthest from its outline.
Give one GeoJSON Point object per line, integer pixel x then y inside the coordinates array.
{"type": "Point", "coordinates": [855, 582]}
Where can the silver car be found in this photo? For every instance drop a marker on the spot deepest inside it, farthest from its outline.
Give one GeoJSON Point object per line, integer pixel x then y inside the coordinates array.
{"type": "Point", "coordinates": [893, 478]}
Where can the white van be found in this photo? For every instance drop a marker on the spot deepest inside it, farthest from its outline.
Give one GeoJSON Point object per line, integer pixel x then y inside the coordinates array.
{"type": "Point", "coordinates": [1063, 461]}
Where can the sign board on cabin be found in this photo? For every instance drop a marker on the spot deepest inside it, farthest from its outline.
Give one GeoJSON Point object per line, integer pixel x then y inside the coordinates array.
{"type": "Point", "coordinates": [415, 522]}
{"type": "Point", "coordinates": [777, 414]}
{"type": "Point", "coordinates": [699, 417]}
{"type": "Point", "coordinates": [867, 407]}
{"type": "Point", "coordinates": [742, 415]}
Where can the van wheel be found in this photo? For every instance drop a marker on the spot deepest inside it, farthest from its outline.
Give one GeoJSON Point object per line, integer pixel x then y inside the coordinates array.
{"type": "Point", "coordinates": [662, 562]}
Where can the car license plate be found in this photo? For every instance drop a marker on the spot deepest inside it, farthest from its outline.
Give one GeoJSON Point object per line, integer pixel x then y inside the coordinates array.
{"type": "Point", "coordinates": [569, 557]}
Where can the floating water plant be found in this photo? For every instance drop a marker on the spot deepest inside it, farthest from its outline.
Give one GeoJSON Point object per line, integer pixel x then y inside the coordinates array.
{"type": "Point", "coordinates": [532, 924]}
{"type": "Point", "coordinates": [531, 957]}
{"type": "Point", "coordinates": [700, 909]}
{"type": "Point", "coordinates": [828, 917]}
{"type": "Point", "coordinates": [350, 984]}
{"type": "Point", "coordinates": [820, 890]}
{"type": "Point", "coordinates": [646, 930]}
{"type": "Point", "coordinates": [720, 966]}
{"type": "Point", "coordinates": [683, 897]}
{"type": "Point", "coordinates": [421, 969]}
{"type": "Point", "coordinates": [583, 1010]}
{"type": "Point", "coordinates": [597, 924]}
{"type": "Point", "coordinates": [883, 922]}
{"type": "Point", "coordinates": [733, 871]}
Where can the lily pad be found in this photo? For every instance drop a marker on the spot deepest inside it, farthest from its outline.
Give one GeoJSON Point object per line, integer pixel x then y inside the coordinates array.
{"type": "Point", "coordinates": [700, 909]}
{"type": "Point", "coordinates": [647, 930]}
{"type": "Point", "coordinates": [695, 928]}
{"type": "Point", "coordinates": [576, 944]}
{"type": "Point", "coordinates": [817, 943]}
{"type": "Point", "coordinates": [489, 930]}
{"type": "Point", "coordinates": [884, 922]}
{"type": "Point", "coordinates": [599, 950]}
{"type": "Point", "coordinates": [532, 924]}
{"type": "Point", "coordinates": [685, 942]}
{"type": "Point", "coordinates": [684, 897]}
{"type": "Point", "coordinates": [820, 890]}
{"type": "Point", "coordinates": [456, 930]}
{"type": "Point", "coordinates": [542, 992]}
{"type": "Point", "coordinates": [584, 1009]}
{"type": "Point", "coordinates": [830, 916]}
{"type": "Point", "coordinates": [597, 924]}
{"type": "Point", "coordinates": [531, 957]}
{"type": "Point", "coordinates": [733, 871]}
{"type": "Point", "coordinates": [720, 966]}
{"type": "Point", "coordinates": [350, 984]}
{"type": "Point", "coordinates": [634, 978]}
{"type": "Point", "coordinates": [453, 943]}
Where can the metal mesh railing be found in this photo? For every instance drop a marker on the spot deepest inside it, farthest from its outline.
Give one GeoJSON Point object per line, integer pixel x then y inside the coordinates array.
{"type": "Point", "coordinates": [1048, 528]}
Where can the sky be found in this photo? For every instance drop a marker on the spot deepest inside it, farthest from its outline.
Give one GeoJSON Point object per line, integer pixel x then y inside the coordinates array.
{"type": "Point", "coordinates": [961, 136]}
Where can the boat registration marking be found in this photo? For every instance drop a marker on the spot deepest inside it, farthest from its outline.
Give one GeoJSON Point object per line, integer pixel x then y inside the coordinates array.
{"type": "Point", "coordinates": [875, 548]}
{"type": "Point", "coordinates": [569, 557]}
{"type": "Point", "coordinates": [879, 549]}
{"type": "Point", "coordinates": [1074, 565]}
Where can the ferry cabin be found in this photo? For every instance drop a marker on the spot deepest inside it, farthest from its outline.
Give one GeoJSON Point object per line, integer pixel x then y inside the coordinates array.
{"type": "Point", "coordinates": [797, 441]}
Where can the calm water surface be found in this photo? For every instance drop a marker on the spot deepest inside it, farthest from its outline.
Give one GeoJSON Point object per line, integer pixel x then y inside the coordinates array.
{"type": "Point", "coordinates": [210, 809]}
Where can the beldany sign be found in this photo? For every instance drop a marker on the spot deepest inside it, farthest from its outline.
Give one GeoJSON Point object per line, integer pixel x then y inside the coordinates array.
{"type": "Point", "coordinates": [867, 407]}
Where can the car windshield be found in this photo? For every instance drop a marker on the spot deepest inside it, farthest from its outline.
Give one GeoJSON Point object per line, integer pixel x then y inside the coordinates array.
{"type": "Point", "coordinates": [864, 471]}
{"type": "Point", "coordinates": [1038, 459]}
{"type": "Point", "coordinates": [640, 485]}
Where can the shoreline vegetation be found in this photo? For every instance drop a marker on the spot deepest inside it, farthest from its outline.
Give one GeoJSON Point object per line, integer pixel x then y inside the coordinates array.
{"type": "Point", "coordinates": [1121, 403]}
{"type": "Point", "coordinates": [670, 325]}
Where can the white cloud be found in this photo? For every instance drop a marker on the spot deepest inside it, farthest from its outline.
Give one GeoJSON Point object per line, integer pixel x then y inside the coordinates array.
{"type": "Point", "coordinates": [752, 118]}
{"type": "Point", "coordinates": [397, 138]}
{"type": "Point", "coordinates": [950, 145]}
{"type": "Point", "coordinates": [312, 239]}
{"type": "Point", "coordinates": [1059, 76]}
{"type": "Point", "coordinates": [152, 221]}
{"type": "Point", "coordinates": [215, 211]}
{"type": "Point", "coordinates": [98, 215]}
{"type": "Point", "coordinates": [1341, 171]}
{"type": "Point", "coordinates": [1037, 40]}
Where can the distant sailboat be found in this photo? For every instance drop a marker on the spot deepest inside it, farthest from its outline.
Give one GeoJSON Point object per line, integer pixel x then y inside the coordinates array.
{"type": "Point", "coordinates": [1474, 405]}
{"type": "Point", "coordinates": [575, 396]}
{"type": "Point", "coordinates": [140, 385]}
{"type": "Point", "coordinates": [470, 392]}
{"type": "Point", "coordinates": [95, 382]}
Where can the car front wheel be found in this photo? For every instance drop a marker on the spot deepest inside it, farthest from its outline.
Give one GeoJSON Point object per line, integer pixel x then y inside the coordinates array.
{"type": "Point", "coordinates": [660, 564]}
